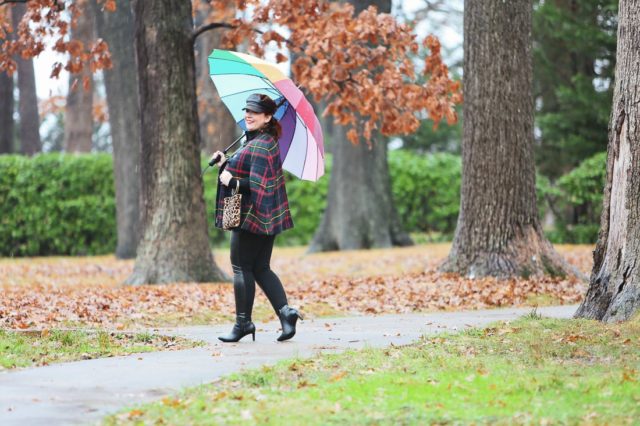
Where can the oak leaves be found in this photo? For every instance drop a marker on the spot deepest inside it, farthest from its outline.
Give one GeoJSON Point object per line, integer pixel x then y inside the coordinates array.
{"type": "Point", "coordinates": [362, 67]}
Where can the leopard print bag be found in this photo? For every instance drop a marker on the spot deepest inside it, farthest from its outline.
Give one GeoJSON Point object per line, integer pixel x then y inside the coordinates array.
{"type": "Point", "coordinates": [231, 211]}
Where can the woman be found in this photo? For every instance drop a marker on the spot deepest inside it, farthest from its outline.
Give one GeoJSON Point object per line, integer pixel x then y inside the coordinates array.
{"type": "Point", "coordinates": [255, 170]}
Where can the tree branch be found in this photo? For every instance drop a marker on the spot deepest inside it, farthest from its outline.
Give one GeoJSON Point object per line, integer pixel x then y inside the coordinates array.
{"type": "Point", "coordinates": [2, 3]}
{"type": "Point", "coordinates": [215, 25]}
{"type": "Point", "coordinates": [207, 27]}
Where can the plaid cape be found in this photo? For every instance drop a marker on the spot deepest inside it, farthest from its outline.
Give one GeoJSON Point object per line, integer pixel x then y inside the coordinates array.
{"type": "Point", "coordinates": [266, 209]}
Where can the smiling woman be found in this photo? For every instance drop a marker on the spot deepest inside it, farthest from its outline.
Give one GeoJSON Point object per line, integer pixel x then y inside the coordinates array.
{"type": "Point", "coordinates": [255, 171]}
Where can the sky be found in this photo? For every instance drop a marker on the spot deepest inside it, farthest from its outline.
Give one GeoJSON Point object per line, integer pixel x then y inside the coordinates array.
{"type": "Point", "coordinates": [447, 28]}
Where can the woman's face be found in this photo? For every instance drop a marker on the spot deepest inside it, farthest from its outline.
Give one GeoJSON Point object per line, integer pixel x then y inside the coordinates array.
{"type": "Point", "coordinates": [255, 120]}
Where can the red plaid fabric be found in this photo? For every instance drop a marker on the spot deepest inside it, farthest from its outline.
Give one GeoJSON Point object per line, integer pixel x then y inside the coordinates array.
{"type": "Point", "coordinates": [266, 210]}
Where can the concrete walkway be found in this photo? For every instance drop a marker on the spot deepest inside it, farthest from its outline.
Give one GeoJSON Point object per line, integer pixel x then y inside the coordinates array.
{"type": "Point", "coordinates": [83, 392]}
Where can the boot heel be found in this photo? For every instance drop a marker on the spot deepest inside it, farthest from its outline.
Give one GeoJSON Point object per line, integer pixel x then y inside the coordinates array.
{"type": "Point", "coordinates": [288, 318]}
{"type": "Point", "coordinates": [240, 329]}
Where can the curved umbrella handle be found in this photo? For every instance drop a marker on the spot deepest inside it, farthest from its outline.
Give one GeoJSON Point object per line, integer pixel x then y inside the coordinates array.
{"type": "Point", "coordinates": [215, 160]}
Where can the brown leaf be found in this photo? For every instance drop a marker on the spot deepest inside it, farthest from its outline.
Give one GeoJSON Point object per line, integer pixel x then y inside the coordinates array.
{"type": "Point", "coordinates": [337, 376]}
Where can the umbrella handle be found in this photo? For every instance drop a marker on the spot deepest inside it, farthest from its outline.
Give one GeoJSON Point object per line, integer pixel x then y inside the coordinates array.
{"type": "Point", "coordinates": [217, 158]}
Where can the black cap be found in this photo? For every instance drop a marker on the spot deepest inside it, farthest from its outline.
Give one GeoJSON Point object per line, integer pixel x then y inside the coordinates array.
{"type": "Point", "coordinates": [260, 103]}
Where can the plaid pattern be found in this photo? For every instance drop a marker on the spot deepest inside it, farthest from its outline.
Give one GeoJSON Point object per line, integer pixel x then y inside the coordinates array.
{"type": "Point", "coordinates": [266, 210]}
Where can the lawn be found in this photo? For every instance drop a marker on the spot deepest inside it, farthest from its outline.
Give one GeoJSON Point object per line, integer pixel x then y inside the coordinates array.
{"type": "Point", "coordinates": [38, 348]}
{"type": "Point", "coordinates": [530, 371]}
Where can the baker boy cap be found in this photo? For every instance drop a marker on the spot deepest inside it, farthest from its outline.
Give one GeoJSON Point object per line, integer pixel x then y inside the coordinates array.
{"type": "Point", "coordinates": [255, 103]}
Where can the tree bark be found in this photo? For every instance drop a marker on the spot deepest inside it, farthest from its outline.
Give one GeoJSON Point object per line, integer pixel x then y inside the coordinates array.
{"type": "Point", "coordinates": [78, 118]}
{"type": "Point", "coordinates": [121, 84]}
{"type": "Point", "coordinates": [498, 231]}
{"type": "Point", "coordinates": [217, 127]}
{"type": "Point", "coordinates": [614, 287]}
{"type": "Point", "coordinates": [6, 113]}
{"type": "Point", "coordinates": [360, 211]}
{"type": "Point", "coordinates": [29, 128]}
{"type": "Point", "coordinates": [174, 245]}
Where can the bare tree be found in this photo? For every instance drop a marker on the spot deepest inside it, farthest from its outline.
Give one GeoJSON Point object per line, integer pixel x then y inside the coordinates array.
{"type": "Point", "coordinates": [78, 122]}
{"type": "Point", "coordinates": [29, 130]}
{"type": "Point", "coordinates": [6, 113]}
{"type": "Point", "coordinates": [217, 127]}
{"type": "Point", "coordinates": [121, 83]}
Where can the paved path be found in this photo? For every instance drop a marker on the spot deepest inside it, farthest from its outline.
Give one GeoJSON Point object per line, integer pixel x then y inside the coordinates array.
{"type": "Point", "coordinates": [83, 392]}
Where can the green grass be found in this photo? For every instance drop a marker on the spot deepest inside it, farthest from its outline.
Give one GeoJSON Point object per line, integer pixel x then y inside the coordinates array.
{"type": "Point", "coordinates": [532, 371]}
{"type": "Point", "coordinates": [28, 349]}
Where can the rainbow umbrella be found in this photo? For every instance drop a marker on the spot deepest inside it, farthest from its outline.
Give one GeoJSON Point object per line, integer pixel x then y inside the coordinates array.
{"type": "Point", "coordinates": [238, 75]}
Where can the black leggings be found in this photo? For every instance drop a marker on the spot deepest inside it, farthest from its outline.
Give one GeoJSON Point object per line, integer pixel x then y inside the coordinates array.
{"type": "Point", "coordinates": [250, 257]}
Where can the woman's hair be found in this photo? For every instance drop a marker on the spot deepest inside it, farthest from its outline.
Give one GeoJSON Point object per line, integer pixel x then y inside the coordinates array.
{"type": "Point", "coordinates": [274, 128]}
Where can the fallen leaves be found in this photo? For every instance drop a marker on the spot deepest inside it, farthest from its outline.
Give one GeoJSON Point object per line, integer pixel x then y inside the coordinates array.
{"type": "Point", "coordinates": [337, 376]}
{"type": "Point", "coordinates": [44, 293]}
{"type": "Point", "coordinates": [135, 413]}
{"type": "Point", "coordinates": [629, 375]}
{"type": "Point", "coordinates": [432, 291]}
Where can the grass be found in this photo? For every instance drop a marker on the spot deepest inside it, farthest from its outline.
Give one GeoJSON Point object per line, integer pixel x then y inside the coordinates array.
{"type": "Point", "coordinates": [531, 371]}
{"type": "Point", "coordinates": [29, 349]}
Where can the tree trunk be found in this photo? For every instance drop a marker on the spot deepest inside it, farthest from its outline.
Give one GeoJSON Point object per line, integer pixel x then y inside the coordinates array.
{"type": "Point", "coordinates": [28, 102]}
{"type": "Point", "coordinates": [6, 113]}
{"type": "Point", "coordinates": [174, 244]}
{"type": "Point", "coordinates": [498, 231]}
{"type": "Point", "coordinates": [360, 212]}
{"type": "Point", "coordinates": [614, 288]}
{"type": "Point", "coordinates": [121, 84]}
{"type": "Point", "coordinates": [217, 127]}
{"type": "Point", "coordinates": [78, 118]}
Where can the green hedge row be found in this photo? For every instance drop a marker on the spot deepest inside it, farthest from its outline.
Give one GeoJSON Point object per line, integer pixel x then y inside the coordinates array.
{"type": "Point", "coordinates": [56, 204]}
{"type": "Point", "coordinates": [426, 190]}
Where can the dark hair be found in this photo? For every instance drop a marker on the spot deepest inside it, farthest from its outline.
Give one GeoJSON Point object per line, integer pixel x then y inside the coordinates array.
{"type": "Point", "coordinates": [267, 104]}
{"type": "Point", "coordinates": [273, 127]}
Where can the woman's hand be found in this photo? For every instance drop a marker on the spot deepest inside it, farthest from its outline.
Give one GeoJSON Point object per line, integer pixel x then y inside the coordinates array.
{"type": "Point", "coordinates": [217, 159]}
{"type": "Point", "coordinates": [225, 178]}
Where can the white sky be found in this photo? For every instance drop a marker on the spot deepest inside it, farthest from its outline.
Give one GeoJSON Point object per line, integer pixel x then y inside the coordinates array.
{"type": "Point", "coordinates": [447, 28]}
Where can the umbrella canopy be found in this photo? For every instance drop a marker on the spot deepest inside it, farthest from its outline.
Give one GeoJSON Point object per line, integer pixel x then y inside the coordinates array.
{"type": "Point", "coordinates": [238, 75]}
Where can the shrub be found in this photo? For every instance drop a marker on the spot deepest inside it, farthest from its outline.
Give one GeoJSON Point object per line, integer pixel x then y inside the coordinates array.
{"type": "Point", "coordinates": [426, 189]}
{"type": "Point", "coordinates": [577, 202]}
{"type": "Point", "coordinates": [57, 204]}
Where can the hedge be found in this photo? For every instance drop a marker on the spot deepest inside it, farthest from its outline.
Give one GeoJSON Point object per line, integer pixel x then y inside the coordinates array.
{"type": "Point", "coordinates": [577, 198]}
{"type": "Point", "coordinates": [426, 189]}
{"type": "Point", "coordinates": [57, 204]}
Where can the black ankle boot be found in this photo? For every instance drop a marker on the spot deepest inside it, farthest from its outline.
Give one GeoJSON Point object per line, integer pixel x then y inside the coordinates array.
{"type": "Point", "coordinates": [242, 327]}
{"type": "Point", "coordinates": [288, 318]}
